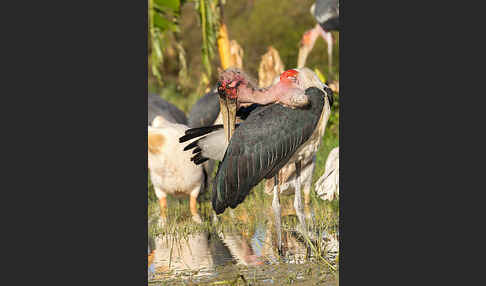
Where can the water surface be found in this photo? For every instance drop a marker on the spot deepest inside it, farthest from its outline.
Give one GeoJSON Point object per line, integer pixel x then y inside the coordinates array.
{"type": "Point", "coordinates": [240, 249]}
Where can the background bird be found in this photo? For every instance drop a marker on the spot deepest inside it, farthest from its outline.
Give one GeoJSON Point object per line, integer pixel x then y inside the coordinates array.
{"type": "Point", "coordinates": [205, 111]}
{"type": "Point", "coordinates": [327, 187]}
{"type": "Point", "coordinates": [326, 13]}
{"type": "Point", "coordinates": [171, 170]}
{"type": "Point", "coordinates": [159, 106]}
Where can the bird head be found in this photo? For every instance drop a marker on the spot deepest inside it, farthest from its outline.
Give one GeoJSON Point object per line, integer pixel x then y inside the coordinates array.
{"type": "Point", "coordinates": [230, 83]}
{"type": "Point", "coordinates": [306, 78]}
{"type": "Point", "coordinates": [289, 76]}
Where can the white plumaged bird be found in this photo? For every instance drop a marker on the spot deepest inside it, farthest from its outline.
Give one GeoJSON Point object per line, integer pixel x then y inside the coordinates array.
{"type": "Point", "coordinates": [171, 169]}
{"type": "Point", "coordinates": [327, 187]}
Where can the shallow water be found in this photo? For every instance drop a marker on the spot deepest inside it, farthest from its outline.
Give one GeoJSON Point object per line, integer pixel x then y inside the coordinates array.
{"type": "Point", "coordinates": [214, 256]}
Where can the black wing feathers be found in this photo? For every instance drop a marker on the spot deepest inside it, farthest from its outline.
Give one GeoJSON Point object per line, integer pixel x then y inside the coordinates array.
{"type": "Point", "coordinates": [262, 145]}
{"type": "Point", "coordinates": [198, 132]}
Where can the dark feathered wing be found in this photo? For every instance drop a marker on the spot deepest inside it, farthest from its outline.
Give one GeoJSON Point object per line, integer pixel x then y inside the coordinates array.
{"type": "Point", "coordinates": [326, 13]}
{"type": "Point", "coordinates": [261, 145]}
{"type": "Point", "coordinates": [159, 106]}
{"type": "Point", "coordinates": [205, 111]}
{"type": "Point", "coordinates": [244, 112]}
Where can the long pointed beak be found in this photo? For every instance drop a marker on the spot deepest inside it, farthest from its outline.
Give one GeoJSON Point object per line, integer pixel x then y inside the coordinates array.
{"type": "Point", "coordinates": [228, 111]}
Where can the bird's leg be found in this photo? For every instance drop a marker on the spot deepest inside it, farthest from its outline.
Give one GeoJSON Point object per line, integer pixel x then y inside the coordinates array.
{"type": "Point", "coordinates": [329, 50]}
{"type": "Point", "coordinates": [307, 44]}
{"type": "Point", "coordinates": [298, 197]}
{"type": "Point", "coordinates": [215, 218]}
{"type": "Point", "coordinates": [163, 208]}
{"type": "Point", "coordinates": [327, 36]}
{"type": "Point", "coordinates": [308, 171]}
{"type": "Point", "coordinates": [277, 213]}
{"type": "Point", "coordinates": [162, 196]}
{"type": "Point", "coordinates": [193, 205]}
{"type": "Point", "coordinates": [232, 213]}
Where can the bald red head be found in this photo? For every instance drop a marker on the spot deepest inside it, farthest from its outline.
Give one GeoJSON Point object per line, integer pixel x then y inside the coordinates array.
{"type": "Point", "coordinates": [288, 76]}
{"type": "Point", "coordinates": [229, 82]}
{"type": "Point", "coordinates": [235, 85]}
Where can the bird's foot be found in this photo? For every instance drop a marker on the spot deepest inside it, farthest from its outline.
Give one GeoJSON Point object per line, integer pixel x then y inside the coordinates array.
{"type": "Point", "coordinates": [307, 212]}
{"type": "Point", "coordinates": [215, 218]}
{"type": "Point", "coordinates": [309, 215]}
{"type": "Point", "coordinates": [232, 213]}
{"type": "Point", "coordinates": [197, 218]}
{"type": "Point", "coordinates": [300, 229]}
{"type": "Point", "coordinates": [162, 222]}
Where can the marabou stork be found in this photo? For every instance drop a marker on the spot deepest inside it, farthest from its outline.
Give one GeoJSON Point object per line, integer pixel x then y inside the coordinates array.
{"type": "Point", "coordinates": [326, 13]}
{"type": "Point", "coordinates": [270, 67]}
{"type": "Point", "coordinates": [270, 137]}
{"type": "Point", "coordinates": [289, 177]}
{"type": "Point", "coordinates": [170, 168]}
{"type": "Point", "coordinates": [243, 93]}
{"type": "Point", "coordinates": [327, 187]}
{"type": "Point", "coordinates": [159, 106]}
{"type": "Point", "coordinates": [206, 111]}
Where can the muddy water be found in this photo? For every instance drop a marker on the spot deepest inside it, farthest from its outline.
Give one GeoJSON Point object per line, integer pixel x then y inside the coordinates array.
{"type": "Point", "coordinates": [235, 259]}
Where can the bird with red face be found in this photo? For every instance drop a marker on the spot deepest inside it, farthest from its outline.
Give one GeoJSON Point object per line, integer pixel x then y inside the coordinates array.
{"type": "Point", "coordinates": [236, 89]}
{"type": "Point", "coordinates": [279, 121]}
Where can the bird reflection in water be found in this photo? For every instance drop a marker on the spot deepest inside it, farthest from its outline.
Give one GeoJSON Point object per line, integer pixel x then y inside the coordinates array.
{"type": "Point", "coordinates": [202, 253]}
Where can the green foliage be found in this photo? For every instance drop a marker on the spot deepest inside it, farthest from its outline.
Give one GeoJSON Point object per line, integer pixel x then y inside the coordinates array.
{"type": "Point", "coordinates": [162, 19]}
{"type": "Point", "coordinates": [280, 24]}
{"type": "Point", "coordinates": [333, 123]}
{"type": "Point", "coordinates": [170, 6]}
{"type": "Point", "coordinates": [170, 93]}
{"type": "Point", "coordinates": [209, 21]}
{"type": "Point", "coordinates": [255, 25]}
